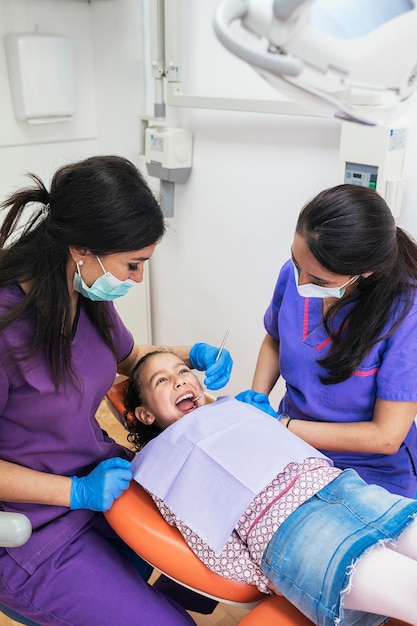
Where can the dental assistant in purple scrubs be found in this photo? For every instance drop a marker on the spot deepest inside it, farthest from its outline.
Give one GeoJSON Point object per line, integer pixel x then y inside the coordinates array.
{"type": "Point", "coordinates": [341, 330]}
{"type": "Point", "coordinates": [83, 244]}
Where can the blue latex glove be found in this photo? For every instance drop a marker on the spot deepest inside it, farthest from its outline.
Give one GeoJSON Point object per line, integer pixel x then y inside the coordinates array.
{"type": "Point", "coordinates": [203, 357]}
{"type": "Point", "coordinates": [99, 489]}
{"type": "Point", "coordinates": [257, 399]}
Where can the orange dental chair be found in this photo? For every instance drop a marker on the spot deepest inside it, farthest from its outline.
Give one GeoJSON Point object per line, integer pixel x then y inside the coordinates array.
{"type": "Point", "coordinates": [138, 522]}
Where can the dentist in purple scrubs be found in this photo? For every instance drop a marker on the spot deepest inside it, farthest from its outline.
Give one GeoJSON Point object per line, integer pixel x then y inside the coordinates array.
{"type": "Point", "coordinates": [341, 330]}
{"type": "Point", "coordinates": [84, 244]}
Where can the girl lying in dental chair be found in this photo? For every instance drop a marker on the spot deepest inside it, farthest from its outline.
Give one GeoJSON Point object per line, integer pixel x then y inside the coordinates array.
{"type": "Point", "coordinates": [258, 504]}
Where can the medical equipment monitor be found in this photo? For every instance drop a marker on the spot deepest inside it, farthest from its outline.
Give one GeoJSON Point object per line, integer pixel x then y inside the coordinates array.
{"type": "Point", "coordinates": [363, 175]}
{"type": "Point", "coordinates": [373, 157]}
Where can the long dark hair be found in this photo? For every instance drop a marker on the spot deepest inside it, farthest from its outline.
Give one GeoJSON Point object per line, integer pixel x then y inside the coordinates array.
{"type": "Point", "coordinates": [351, 231]}
{"type": "Point", "coordinates": [102, 204]}
{"type": "Point", "coordinates": [139, 433]}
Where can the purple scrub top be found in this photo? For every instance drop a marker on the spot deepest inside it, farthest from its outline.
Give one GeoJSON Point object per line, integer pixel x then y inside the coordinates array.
{"type": "Point", "coordinates": [389, 372]}
{"type": "Point", "coordinates": [55, 430]}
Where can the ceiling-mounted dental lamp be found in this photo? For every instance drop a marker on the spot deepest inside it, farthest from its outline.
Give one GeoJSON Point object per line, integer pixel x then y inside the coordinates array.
{"type": "Point", "coordinates": [369, 78]}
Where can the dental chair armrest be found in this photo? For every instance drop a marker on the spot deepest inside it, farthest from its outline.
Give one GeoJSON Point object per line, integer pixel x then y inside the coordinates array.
{"type": "Point", "coordinates": [15, 529]}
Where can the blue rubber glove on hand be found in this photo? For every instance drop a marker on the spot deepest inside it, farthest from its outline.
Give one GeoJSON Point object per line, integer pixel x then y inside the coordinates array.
{"type": "Point", "coordinates": [203, 357]}
{"type": "Point", "coordinates": [99, 489]}
{"type": "Point", "coordinates": [257, 399]}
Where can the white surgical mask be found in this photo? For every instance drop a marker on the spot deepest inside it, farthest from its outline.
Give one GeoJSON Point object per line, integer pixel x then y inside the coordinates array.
{"type": "Point", "coordinates": [106, 287]}
{"type": "Point", "coordinates": [310, 290]}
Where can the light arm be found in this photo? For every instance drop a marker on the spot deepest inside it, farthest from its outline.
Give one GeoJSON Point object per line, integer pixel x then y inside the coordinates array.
{"type": "Point", "coordinates": [227, 13]}
{"type": "Point", "coordinates": [357, 78]}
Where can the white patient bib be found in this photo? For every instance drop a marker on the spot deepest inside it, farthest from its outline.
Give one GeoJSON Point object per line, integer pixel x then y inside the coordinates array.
{"type": "Point", "coordinates": [209, 465]}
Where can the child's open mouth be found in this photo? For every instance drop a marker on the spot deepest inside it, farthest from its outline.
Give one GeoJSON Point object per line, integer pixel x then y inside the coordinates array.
{"type": "Point", "coordinates": [186, 402]}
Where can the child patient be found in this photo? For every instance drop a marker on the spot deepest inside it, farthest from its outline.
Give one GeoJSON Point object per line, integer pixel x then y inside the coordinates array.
{"type": "Point", "coordinates": [257, 504]}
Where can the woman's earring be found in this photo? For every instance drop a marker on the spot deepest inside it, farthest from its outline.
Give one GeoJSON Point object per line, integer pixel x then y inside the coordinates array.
{"type": "Point", "coordinates": [80, 262]}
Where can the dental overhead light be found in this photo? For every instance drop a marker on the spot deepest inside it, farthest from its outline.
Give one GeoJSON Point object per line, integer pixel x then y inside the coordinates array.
{"type": "Point", "coordinates": [369, 78]}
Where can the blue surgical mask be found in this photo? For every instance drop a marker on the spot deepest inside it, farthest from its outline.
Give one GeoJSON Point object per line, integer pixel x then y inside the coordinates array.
{"type": "Point", "coordinates": [310, 290]}
{"type": "Point", "coordinates": [106, 287]}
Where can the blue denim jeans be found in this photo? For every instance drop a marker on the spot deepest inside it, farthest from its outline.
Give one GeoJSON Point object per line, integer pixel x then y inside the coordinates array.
{"type": "Point", "coordinates": [312, 555]}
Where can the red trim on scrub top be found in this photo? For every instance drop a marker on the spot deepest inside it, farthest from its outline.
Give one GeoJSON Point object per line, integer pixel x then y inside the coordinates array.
{"type": "Point", "coordinates": [326, 341]}
{"type": "Point", "coordinates": [305, 322]}
{"type": "Point", "coordinates": [370, 373]}
{"type": "Point", "coordinates": [323, 343]}
{"type": "Point", "coordinates": [305, 327]}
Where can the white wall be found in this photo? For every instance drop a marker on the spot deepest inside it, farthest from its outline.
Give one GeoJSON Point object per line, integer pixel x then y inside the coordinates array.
{"type": "Point", "coordinates": [233, 226]}
{"type": "Point", "coordinates": [234, 218]}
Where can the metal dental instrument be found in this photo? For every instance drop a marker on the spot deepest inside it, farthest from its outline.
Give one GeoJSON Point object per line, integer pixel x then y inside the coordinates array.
{"type": "Point", "coordinates": [216, 359]}
{"type": "Point", "coordinates": [222, 345]}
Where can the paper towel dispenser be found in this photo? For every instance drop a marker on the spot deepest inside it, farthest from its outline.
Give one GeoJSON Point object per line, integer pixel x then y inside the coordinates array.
{"type": "Point", "coordinates": [41, 71]}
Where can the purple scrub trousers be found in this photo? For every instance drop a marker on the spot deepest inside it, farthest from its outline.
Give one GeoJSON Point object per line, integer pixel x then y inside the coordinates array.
{"type": "Point", "coordinates": [55, 594]}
